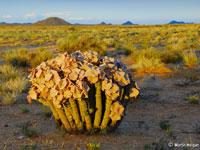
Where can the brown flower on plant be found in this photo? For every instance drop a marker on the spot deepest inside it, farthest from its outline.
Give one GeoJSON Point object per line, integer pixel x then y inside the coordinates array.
{"type": "Point", "coordinates": [106, 84]}
{"type": "Point", "coordinates": [121, 77]}
{"type": "Point", "coordinates": [113, 92]}
{"type": "Point", "coordinates": [92, 74]}
{"type": "Point", "coordinates": [91, 56]}
{"type": "Point", "coordinates": [116, 111]}
{"type": "Point", "coordinates": [134, 92]}
{"type": "Point", "coordinates": [53, 92]}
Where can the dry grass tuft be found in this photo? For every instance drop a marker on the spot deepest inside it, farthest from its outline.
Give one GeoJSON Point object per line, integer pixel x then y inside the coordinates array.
{"type": "Point", "coordinates": [190, 59]}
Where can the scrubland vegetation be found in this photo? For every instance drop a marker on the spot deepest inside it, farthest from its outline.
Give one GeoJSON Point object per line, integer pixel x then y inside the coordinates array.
{"type": "Point", "coordinates": [143, 48]}
{"type": "Point", "coordinates": [150, 46]}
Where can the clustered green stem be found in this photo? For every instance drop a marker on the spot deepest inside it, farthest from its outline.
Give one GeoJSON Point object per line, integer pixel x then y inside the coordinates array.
{"type": "Point", "coordinates": [98, 113]}
{"type": "Point", "coordinates": [74, 113]}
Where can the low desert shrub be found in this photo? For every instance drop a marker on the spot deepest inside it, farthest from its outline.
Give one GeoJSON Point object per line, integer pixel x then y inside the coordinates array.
{"type": "Point", "coordinates": [40, 57]}
{"type": "Point", "coordinates": [24, 109]}
{"type": "Point", "coordinates": [17, 58]}
{"type": "Point", "coordinates": [147, 58]}
{"type": "Point", "coordinates": [171, 56]}
{"type": "Point", "coordinates": [109, 42]}
{"type": "Point", "coordinates": [194, 99]}
{"type": "Point", "coordinates": [8, 97]}
{"type": "Point", "coordinates": [152, 63]}
{"type": "Point", "coordinates": [190, 59]}
{"type": "Point", "coordinates": [83, 43]}
{"type": "Point", "coordinates": [16, 85]}
{"type": "Point", "coordinates": [27, 129]}
{"type": "Point", "coordinates": [164, 124]}
{"type": "Point", "coordinates": [24, 58]}
{"type": "Point", "coordinates": [63, 44]}
{"type": "Point", "coordinates": [92, 146]}
{"type": "Point", "coordinates": [40, 49]}
{"type": "Point", "coordinates": [8, 72]}
{"type": "Point", "coordinates": [12, 83]}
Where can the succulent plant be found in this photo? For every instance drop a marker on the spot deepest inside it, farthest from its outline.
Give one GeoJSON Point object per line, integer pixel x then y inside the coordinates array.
{"type": "Point", "coordinates": [84, 91]}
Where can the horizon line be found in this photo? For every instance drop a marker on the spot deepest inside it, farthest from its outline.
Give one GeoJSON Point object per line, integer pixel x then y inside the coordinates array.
{"type": "Point", "coordinates": [77, 23]}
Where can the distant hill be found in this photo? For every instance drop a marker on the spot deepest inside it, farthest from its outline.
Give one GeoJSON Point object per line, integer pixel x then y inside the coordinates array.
{"type": "Point", "coordinates": [179, 22]}
{"type": "Point", "coordinates": [52, 21]}
{"type": "Point", "coordinates": [20, 23]}
{"type": "Point", "coordinates": [176, 22]}
{"type": "Point", "coordinates": [128, 23]}
{"type": "Point", "coordinates": [103, 23]}
{"type": "Point", "coordinates": [4, 23]}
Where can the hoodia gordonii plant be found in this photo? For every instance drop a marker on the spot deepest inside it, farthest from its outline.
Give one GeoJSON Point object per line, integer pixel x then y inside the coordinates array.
{"type": "Point", "coordinates": [84, 91]}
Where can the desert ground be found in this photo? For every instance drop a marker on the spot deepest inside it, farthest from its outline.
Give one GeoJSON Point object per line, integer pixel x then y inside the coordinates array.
{"type": "Point", "coordinates": [167, 109]}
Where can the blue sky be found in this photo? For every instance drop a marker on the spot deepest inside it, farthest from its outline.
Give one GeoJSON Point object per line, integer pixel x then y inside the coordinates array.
{"type": "Point", "coordinates": [96, 11]}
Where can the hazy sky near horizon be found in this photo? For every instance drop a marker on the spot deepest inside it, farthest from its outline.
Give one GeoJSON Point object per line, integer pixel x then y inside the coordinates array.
{"type": "Point", "coordinates": [96, 11]}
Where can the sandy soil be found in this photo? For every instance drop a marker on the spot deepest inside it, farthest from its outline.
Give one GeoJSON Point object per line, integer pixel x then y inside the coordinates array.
{"type": "Point", "coordinates": [162, 97]}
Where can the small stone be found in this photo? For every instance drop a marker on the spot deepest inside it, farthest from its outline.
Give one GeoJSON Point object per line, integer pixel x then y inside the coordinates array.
{"type": "Point", "coordinates": [21, 137]}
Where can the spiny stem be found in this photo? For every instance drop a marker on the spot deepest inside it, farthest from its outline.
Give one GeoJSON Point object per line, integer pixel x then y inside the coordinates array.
{"type": "Point", "coordinates": [98, 112]}
{"type": "Point", "coordinates": [42, 101]}
{"type": "Point", "coordinates": [69, 117]}
{"type": "Point", "coordinates": [81, 112]}
{"type": "Point", "coordinates": [63, 119]}
{"type": "Point", "coordinates": [106, 117]}
{"type": "Point", "coordinates": [113, 123]}
{"type": "Point", "coordinates": [122, 94]}
{"type": "Point", "coordinates": [75, 114]}
{"type": "Point", "coordinates": [86, 115]}
{"type": "Point", "coordinates": [55, 114]}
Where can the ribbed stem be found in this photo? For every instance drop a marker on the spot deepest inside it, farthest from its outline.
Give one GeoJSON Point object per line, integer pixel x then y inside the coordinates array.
{"type": "Point", "coordinates": [106, 117]}
{"type": "Point", "coordinates": [63, 118]}
{"type": "Point", "coordinates": [83, 108]}
{"type": "Point", "coordinates": [55, 114]}
{"type": "Point", "coordinates": [69, 117]}
{"type": "Point", "coordinates": [113, 123]}
{"type": "Point", "coordinates": [122, 94]}
{"type": "Point", "coordinates": [75, 114]}
{"type": "Point", "coordinates": [98, 112]}
{"type": "Point", "coordinates": [81, 112]}
{"type": "Point", "coordinates": [42, 101]}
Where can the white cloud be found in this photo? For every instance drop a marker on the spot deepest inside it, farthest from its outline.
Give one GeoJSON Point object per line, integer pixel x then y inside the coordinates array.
{"type": "Point", "coordinates": [77, 18]}
{"type": "Point", "coordinates": [30, 16]}
{"type": "Point", "coordinates": [6, 16]}
{"type": "Point", "coordinates": [53, 14]}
